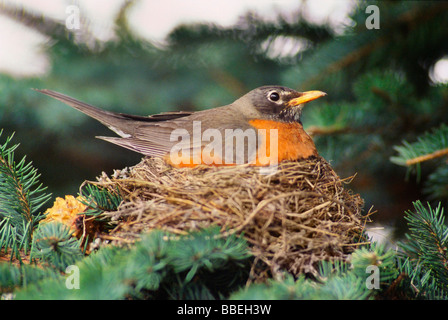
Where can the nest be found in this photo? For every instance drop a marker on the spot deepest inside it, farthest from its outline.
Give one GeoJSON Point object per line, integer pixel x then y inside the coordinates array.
{"type": "Point", "coordinates": [293, 218]}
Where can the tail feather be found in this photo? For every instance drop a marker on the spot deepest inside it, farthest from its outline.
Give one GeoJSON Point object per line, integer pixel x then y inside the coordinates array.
{"type": "Point", "coordinates": [147, 135]}
{"type": "Point", "coordinates": [112, 120]}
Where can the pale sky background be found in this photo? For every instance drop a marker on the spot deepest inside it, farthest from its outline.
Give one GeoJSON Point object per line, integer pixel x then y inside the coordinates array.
{"type": "Point", "coordinates": [20, 47]}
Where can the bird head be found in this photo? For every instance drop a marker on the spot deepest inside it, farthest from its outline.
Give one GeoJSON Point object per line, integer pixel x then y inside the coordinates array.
{"type": "Point", "coordinates": [280, 103]}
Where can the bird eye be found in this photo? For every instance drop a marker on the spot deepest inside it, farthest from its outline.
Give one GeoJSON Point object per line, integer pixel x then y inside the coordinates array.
{"type": "Point", "coordinates": [274, 96]}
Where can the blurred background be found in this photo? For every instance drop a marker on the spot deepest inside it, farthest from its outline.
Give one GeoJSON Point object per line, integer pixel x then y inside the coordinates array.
{"type": "Point", "coordinates": [385, 69]}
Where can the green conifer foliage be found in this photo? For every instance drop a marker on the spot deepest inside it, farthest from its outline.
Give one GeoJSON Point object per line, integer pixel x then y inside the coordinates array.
{"type": "Point", "coordinates": [21, 197]}
{"type": "Point", "coordinates": [383, 113]}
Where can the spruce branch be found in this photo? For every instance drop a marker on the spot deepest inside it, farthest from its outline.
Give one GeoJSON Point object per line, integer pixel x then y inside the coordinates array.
{"type": "Point", "coordinates": [426, 251]}
{"type": "Point", "coordinates": [335, 282]}
{"type": "Point", "coordinates": [53, 243]}
{"type": "Point", "coordinates": [99, 199]}
{"type": "Point", "coordinates": [206, 250]}
{"type": "Point", "coordinates": [21, 197]}
{"type": "Point", "coordinates": [436, 187]}
{"type": "Point", "coordinates": [427, 157]}
{"type": "Point", "coordinates": [430, 146]}
{"type": "Point", "coordinates": [13, 277]}
{"type": "Point", "coordinates": [375, 255]}
{"type": "Point", "coordinates": [100, 277]}
{"type": "Point", "coordinates": [154, 267]}
{"type": "Point", "coordinates": [364, 44]}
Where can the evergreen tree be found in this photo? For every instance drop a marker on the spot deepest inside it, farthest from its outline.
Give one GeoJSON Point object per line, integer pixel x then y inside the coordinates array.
{"type": "Point", "coordinates": [382, 112]}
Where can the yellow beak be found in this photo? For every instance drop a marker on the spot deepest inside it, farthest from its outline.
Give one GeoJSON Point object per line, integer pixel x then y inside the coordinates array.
{"type": "Point", "coordinates": [306, 97]}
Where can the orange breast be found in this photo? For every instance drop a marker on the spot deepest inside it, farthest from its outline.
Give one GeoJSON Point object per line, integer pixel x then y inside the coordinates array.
{"type": "Point", "coordinates": [287, 141]}
{"type": "Point", "coordinates": [292, 141]}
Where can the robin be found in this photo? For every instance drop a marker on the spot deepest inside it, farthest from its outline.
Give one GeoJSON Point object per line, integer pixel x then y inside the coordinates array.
{"type": "Point", "coordinates": [261, 128]}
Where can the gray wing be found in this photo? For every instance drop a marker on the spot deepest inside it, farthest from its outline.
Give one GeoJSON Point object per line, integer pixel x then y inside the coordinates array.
{"type": "Point", "coordinates": [147, 135]}
{"type": "Point", "coordinates": [156, 135]}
